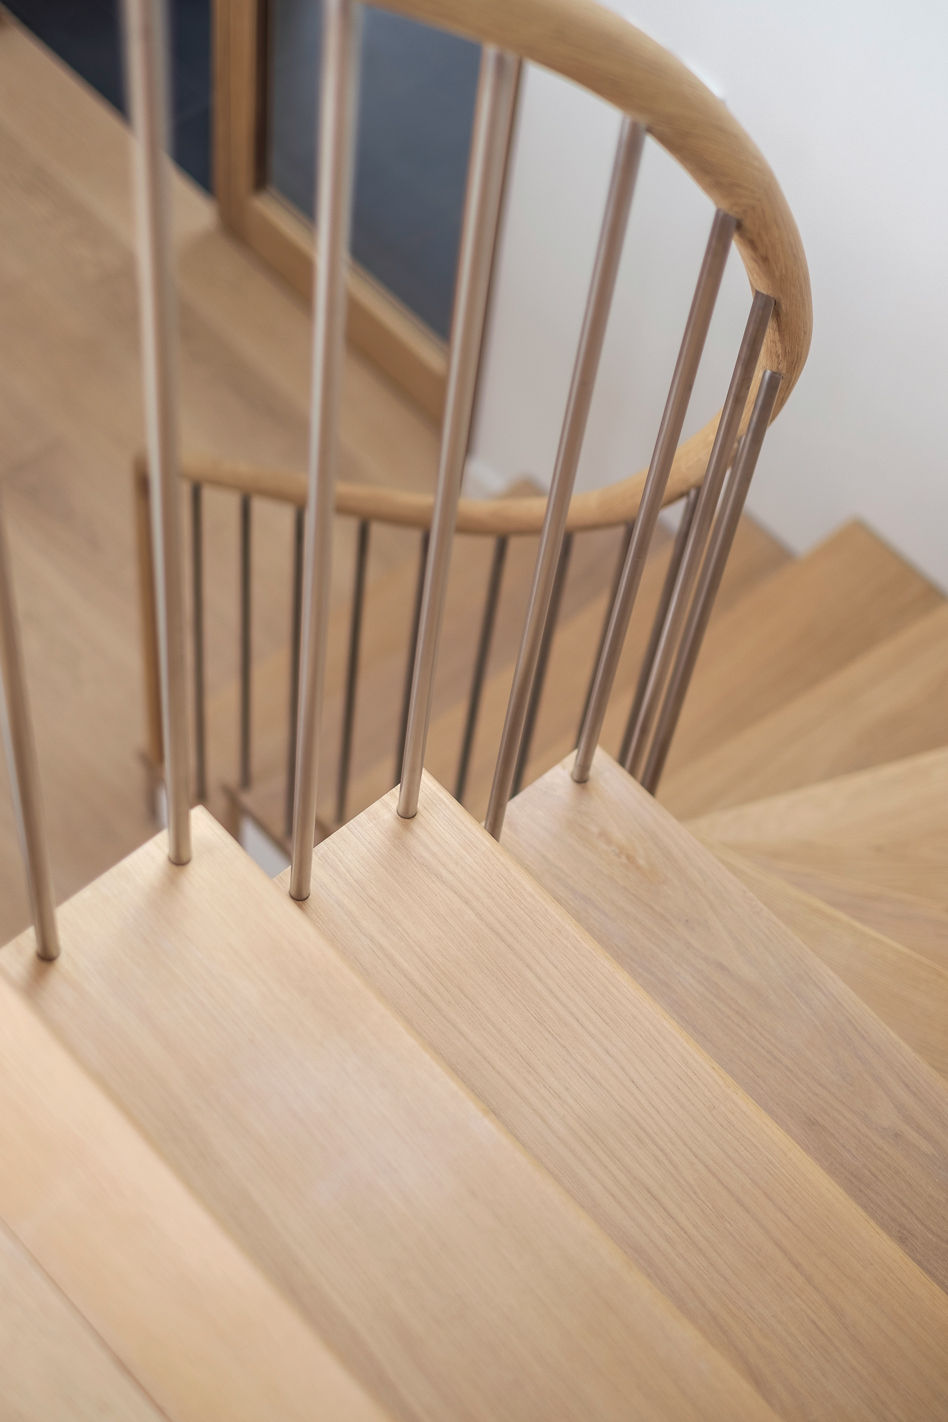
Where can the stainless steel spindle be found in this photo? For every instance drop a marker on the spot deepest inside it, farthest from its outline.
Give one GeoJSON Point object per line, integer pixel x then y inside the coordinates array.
{"type": "Point", "coordinates": [245, 640]}
{"type": "Point", "coordinates": [620, 564]}
{"type": "Point", "coordinates": [712, 571]}
{"type": "Point", "coordinates": [665, 600]}
{"type": "Point", "coordinates": [543, 660]}
{"type": "Point", "coordinates": [145, 50]}
{"type": "Point", "coordinates": [490, 144]}
{"type": "Point", "coordinates": [598, 302]}
{"type": "Point", "coordinates": [412, 652]}
{"type": "Point", "coordinates": [669, 433]}
{"type": "Point", "coordinates": [296, 622]}
{"type": "Point", "coordinates": [337, 126]}
{"type": "Point", "coordinates": [656, 668]}
{"type": "Point", "coordinates": [197, 618]}
{"type": "Point", "coordinates": [481, 656]}
{"type": "Point", "coordinates": [17, 732]}
{"type": "Point", "coordinates": [352, 668]}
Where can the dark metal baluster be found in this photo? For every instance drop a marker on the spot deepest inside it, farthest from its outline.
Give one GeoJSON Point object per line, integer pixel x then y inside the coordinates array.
{"type": "Point", "coordinates": [197, 615]}
{"type": "Point", "coordinates": [296, 622]}
{"type": "Point", "coordinates": [661, 613]}
{"type": "Point", "coordinates": [491, 600]}
{"type": "Point", "coordinates": [352, 669]}
{"type": "Point", "coordinates": [245, 649]}
{"type": "Point", "coordinates": [412, 649]}
{"type": "Point", "coordinates": [539, 676]}
{"type": "Point", "coordinates": [719, 546]}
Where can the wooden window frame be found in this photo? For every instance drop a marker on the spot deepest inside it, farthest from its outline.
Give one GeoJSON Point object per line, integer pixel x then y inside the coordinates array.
{"type": "Point", "coordinates": [379, 326]}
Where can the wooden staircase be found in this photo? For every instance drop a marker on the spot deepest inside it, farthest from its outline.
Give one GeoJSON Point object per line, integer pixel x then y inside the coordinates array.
{"type": "Point", "coordinates": [612, 1116]}
{"type": "Point", "coordinates": [616, 1118]}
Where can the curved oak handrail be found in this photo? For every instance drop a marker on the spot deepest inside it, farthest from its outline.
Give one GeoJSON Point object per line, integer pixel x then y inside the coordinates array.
{"type": "Point", "coordinates": [608, 56]}
{"type": "Point", "coordinates": [596, 508]}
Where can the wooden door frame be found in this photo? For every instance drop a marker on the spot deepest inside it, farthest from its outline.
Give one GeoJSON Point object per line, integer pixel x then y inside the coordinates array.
{"type": "Point", "coordinates": [378, 325]}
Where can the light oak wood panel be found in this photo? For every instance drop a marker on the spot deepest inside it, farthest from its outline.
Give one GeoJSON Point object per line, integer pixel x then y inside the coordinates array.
{"type": "Point", "coordinates": [127, 1279]}
{"type": "Point", "coordinates": [807, 621]}
{"type": "Point", "coordinates": [889, 703]}
{"type": "Point", "coordinates": [55, 1368]}
{"type": "Point", "coordinates": [907, 991]}
{"type": "Point", "coordinates": [874, 844]}
{"type": "Point", "coordinates": [450, 1274]}
{"type": "Point", "coordinates": [768, 1011]}
{"type": "Point", "coordinates": [775, 1264]}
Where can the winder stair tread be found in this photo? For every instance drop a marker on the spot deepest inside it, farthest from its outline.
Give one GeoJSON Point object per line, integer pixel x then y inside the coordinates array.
{"type": "Point", "coordinates": [729, 1217]}
{"type": "Point", "coordinates": [450, 1274]}
{"type": "Point", "coordinates": [873, 844]}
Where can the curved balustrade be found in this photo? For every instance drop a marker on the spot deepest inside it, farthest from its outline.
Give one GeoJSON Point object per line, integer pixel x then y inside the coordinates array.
{"type": "Point", "coordinates": [658, 99]}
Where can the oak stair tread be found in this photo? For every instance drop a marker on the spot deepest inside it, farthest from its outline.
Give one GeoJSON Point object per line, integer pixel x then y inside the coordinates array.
{"type": "Point", "coordinates": [805, 622]}
{"type": "Point", "coordinates": [765, 1008]}
{"type": "Point", "coordinates": [449, 1273]}
{"type": "Point", "coordinates": [874, 844]}
{"type": "Point", "coordinates": [121, 1297]}
{"type": "Point", "coordinates": [887, 704]}
{"type": "Point", "coordinates": [757, 1246]}
{"type": "Point", "coordinates": [904, 989]}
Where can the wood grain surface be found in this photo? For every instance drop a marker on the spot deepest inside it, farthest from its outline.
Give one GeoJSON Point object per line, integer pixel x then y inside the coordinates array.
{"type": "Point", "coordinates": [887, 704]}
{"type": "Point", "coordinates": [874, 844]}
{"type": "Point", "coordinates": [451, 1275]}
{"type": "Point", "coordinates": [110, 1247]}
{"type": "Point", "coordinates": [768, 1011]}
{"type": "Point", "coordinates": [813, 616]}
{"type": "Point", "coordinates": [907, 991]}
{"type": "Point", "coordinates": [732, 1220]}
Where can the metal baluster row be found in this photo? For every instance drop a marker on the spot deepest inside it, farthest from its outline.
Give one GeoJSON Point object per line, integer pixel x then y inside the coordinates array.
{"type": "Point", "coordinates": [698, 559]}
{"type": "Point", "coordinates": [709, 579]}
{"type": "Point", "coordinates": [605, 269]}
{"type": "Point", "coordinates": [666, 443]}
{"type": "Point", "coordinates": [704, 502]}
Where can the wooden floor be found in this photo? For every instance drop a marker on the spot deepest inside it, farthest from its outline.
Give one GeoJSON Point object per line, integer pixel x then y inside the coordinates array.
{"type": "Point", "coordinates": [70, 422]}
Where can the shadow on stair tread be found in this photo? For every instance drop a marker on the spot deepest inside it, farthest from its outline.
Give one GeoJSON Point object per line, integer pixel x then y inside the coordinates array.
{"type": "Point", "coordinates": [873, 843]}
{"type": "Point", "coordinates": [687, 1174]}
{"type": "Point", "coordinates": [121, 1296]}
{"type": "Point", "coordinates": [806, 621]}
{"type": "Point", "coordinates": [765, 1008]}
{"type": "Point", "coordinates": [888, 703]}
{"type": "Point", "coordinates": [906, 990]}
{"type": "Point", "coordinates": [450, 1273]}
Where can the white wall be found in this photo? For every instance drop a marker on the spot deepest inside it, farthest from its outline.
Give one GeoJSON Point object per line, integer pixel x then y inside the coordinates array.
{"type": "Point", "coordinates": [849, 103]}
